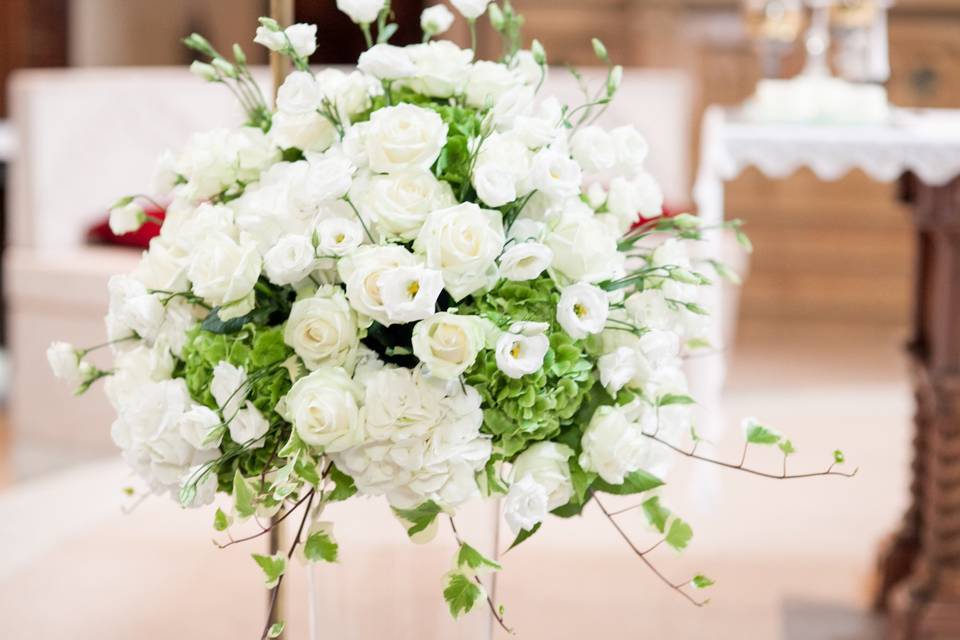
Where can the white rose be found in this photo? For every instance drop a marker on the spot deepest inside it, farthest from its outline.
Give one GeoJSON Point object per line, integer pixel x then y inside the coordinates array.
{"type": "Point", "coordinates": [582, 310]}
{"type": "Point", "coordinates": [196, 424]}
{"type": "Point", "coordinates": [127, 218]}
{"type": "Point", "coordinates": [463, 242]}
{"type": "Point", "coordinates": [404, 137]}
{"type": "Point", "coordinates": [361, 271]}
{"type": "Point", "coordinates": [470, 9]}
{"type": "Point", "coordinates": [354, 145]}
{"type": "Point", "coordinates": [400, 202]}
{"type": "Point", "coordinates": [495, 185]}
{"type": "Point", "coordinates": [594, 149]}
{"type": "Point", "coordinates": [613, 446]}
{"type": "Point", "coordinates": [162, 267]}
{"type": "Point", "coordinates": [520, 351]}
{"type": "Point", "coordinates": [307, 131]}
{"type": "Point", "coordinates": [548, 464]}
{"type": "Point", "coordinates": [64, 360]}
{"type": "Point", "coordinates": [502, 171]}
{"type": "Point", "coordinates": [436, 20]}
{"type": "Point", "coordinates": [229, 388]}
{"type": "Point", "coordinates": [488, 81]}
{"type": "Point", "coordinates": [410, 293]}
{"type": "Point", "coordinates": [338, 236]}
{"type": "Point", "coordinates": [248, 426]}
{"type": "Point", "coordinates": [361, 11]}
{"type": "Point", "coordinates": [323, 329]}
{"type": "Point", "coordinates": [329, 177]}
{"type": "Point", "coordinates": [514, 103]}
{"type": "Point", "coordinates": [556, 174]}
{"type": "Point", "coordinates": [386, 62]}
{"type": "Point", "coordinates": [349, 92]}
{"type": "Point", "coordinates": [542, 127]}
{"type": "Point", "coordinates": [631, 149]}
{"type": "Point", "coordinates": [584, 248]}
{"type": "Point", "coordinates": [448, 344]}
{"type": "Point", "coordinates": [299, 94]}
{"type": "Point", "coordinates": [630, 199]}
{"type": "Point", "coordinates": [525, 505]}
{"type": "Point", "coordinates": [617, 369]}
{"type": "Point", "coordinates": [323, 408]}
{"type": "Point", "coordinates": [224, 273]}
{"type": "Point", "coordinates": [525, 261]}
{"type": "Point", "coordinates": [290, 260]}
{"type": "Point", "coordinates": [441, 66]}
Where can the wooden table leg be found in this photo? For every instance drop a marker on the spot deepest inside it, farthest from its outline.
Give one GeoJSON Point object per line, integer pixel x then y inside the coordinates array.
{"type": "Point", "coordinates": [925, 605]}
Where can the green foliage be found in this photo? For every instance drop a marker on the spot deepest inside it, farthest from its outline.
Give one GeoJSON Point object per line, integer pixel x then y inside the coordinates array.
{"type": "Point", "coordinates": [272, 566]}
{"type": "Point", "coordinates": [673, 398]}
{"type": "Point", "coordinates": [461, 593]}
{"type": "Point", "coordinates": [524, 535]}
{"type": "Point", "coordinates": [636, 482]}
{"type": "Point", "coordinates": [470, 558]}
{"type": "Point", "coordinates": [657, 515]}
{"type": "Point", "coordinates": [343, 485]}
{"type": "Point", "coordinates": [420, 517]}
{"type": "Point", "coordinates": [838, 457]}
{"type": "Point", "coordinates": [320, 547]}
{"type": "Point", "coordinates": [244, 496]}
{"type": "Point", "coordinates": [701, 582]}
{"type": "Point", "coordinates": [787, 448]}
{"type": "Point", "coordinates": [275, 629]}
{"type": "Point", "coordinates": [221, 521]}
{"type": "Point", "coordinates": [758, 434]}
{"type": "Point", "coordinates": [535, 407]}
{"type": "Point", "coordinates": [679, 534]}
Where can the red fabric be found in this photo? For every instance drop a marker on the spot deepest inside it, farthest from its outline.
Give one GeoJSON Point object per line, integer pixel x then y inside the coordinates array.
{"type": "Point", "coordinates": [100, 233]}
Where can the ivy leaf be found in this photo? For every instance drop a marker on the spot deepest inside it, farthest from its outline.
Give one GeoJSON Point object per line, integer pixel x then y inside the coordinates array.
{"type": "Point", "coordinates": [243, 496]}
{"type": "Point", "coordinates": [674, 398]}
{"type": "Point", "coordinates": [492, 479]}
{"type": "Point", "coordinates": [307, 469]}
{"type": "Point", "coordinates": [524, 534]}
{"type": "Point", "coordinates": [636, 482]}
{"type": "Point", "coordinates": [838, 457]}
{"type": "Point", "coordinates": [273, 567]}
{"type": "Point", "coordinates": [470, 558]}
{"type": "Point", "coordinates": [569, 510]}
{"type": "Point", "coordinates": [461, 593]}
{"type": "Point", "coordinates": [221, 521]}
{"type": "Point", "coordinates": [276, 629]}
{"type": "Point", "coordinates": [744, 241]}
{"type": "Point", "coordinates": [679, 534]}
{"type": "Point", "coordinates": [320, 546]}
{"type": "Point", "coordinates": [657, 515]}
{"type": "Point", "coordinates": [419, 517]}
{"type": "Point", "coordinates": [787, 447]}
{"type": "Point", "coordinates": [343, 485]}
{"type": "Point", "coordinates": [758, 434]}
{"type": "Point", "coordinates": [580, 479]}
{"type": "Point", "coordinates": [701, 582]}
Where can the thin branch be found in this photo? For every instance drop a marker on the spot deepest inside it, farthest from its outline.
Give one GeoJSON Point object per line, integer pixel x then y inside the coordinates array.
{"type": "Point", "coordinates": [740, 467]}
{"type": "Point", "coordinates": [266, 530]}
{"type": "Point", "coordinates": [293, 547]}
{"type": "Point", "coordinates": [678, 587]}
{"type": "Point", "coordinates": [493, 607]}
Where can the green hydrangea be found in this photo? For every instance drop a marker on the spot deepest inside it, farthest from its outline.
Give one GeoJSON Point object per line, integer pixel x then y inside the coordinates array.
{"type": "Point", "coordinates": [536, 406]}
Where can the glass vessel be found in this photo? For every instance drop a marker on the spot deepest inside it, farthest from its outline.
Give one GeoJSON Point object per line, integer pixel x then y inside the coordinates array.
{"type": "Point", "coordinates": [775, 26]}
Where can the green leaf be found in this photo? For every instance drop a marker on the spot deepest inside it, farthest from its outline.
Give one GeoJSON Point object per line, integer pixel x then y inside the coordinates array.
{"type": "Point", "coordinates": [571, 509]}
{"type": "Point", "coordinates": [307, 469]}
{"type": "Point", "coordinates": [744, 241]}
{"type": "Point", "coordinates": [470, 558]}
{"type": "Point", "coordinates": [524, 534]}
{"type": "Point", "coordinates": [787, 447]}
{"type": "Point", "coordinates": [273, 567]}
{"type": "Point", "coordinates": [491, 478]}
{"type": "Point", "coordinates": [657, 514]}
{"type": "Point", "coordinates": [838, 457]}
{"type": "Point", "coordinates": [461, 593]}
{"type": "Point", "coordinates": [580, 479]}
{"type": "Point", "coordinates": [701, 582]}
{"type": "Point", "coordinates": [636, 482]}
{"type": "Point", "coordinates": [122, 202]}
{"type": "Point", "coordinates": [758, 434]}
{"type": "Point", "coordinates": [220, 520]}
{"type": "Point", "coordinates": [679, 534]}
{"type": "Point", "coordinates": [674, 398]}
{"type": "Point", "coordinates": [419, 517]}
{"type": "Point", "coordinates": [343, 485]}
{"type": "Point", "coordinates": [276, 629]}
{"type": "Point", "coordinates": [320, 546]}
{"type": "Point", "coordinates": [243, 496]}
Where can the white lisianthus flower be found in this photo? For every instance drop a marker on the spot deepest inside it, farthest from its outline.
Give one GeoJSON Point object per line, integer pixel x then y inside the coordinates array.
{"type": "Point", "coordinates": [442, 68]}
{"type": "Point", "coordinates": [361, 11]}
{"type": "Point", "coordinates": [64, 361]}
{"type": "Point", "coordinates": [584, 248]}
{"type": "Point", "coordinates": [543, 127]}
{"type": "Point", "coordinates": [299, 94]}
{"type": "Point", "coordinates": [548, 464]}
{"type": "Point", "coordinates": [336, 237]}
{"type": "Point", "coordinates": [348, 92]}
{"type": "Point", "coordinates": [613, 445]}
{"type": "Point", "coordinates": [229, 388]}
{"type": "Point", "coordinates": [596, 195]}
{"type": "Point", "coordinates": [582, 310]}
{"type": "Point", "coordinates": [387, 62]}
{"type": "Point", "coordinates": [224, 272]}
{"type": "Point", "coordinates": [410, 293]}
{"type": "Point", "coordinates": [436, 20]}
{"type": "Point", "coordinates": [404, 137]}
{"type": "Point", "coordinates": [248, 426]}
{"type": "Point", "coordinates": [520, 351]}
{"type": "Point", "coordinates": [648, 308]}
{"type": "Point", "coordinates": [661, 348]}
{"type": "Point", "coordinates": [463, 242]}
{"type": "Point", "coordinates": [301, 37]}
{"type": "Point", "coordinates": [162, 267]}
{"type": "Point", "coordinates": [308, 131]}
{"type": "Point", "coordinates": [206, 489]}
{"type": "Point", "coordinates": [631, 147]}
{"type": "Point", "coordinates": [164, 177]}
{"type": "Point", "coordinates": [617, 369]}
{"type": "Point", "coordinates": [290, 260]}
{"type": "Point", "coordinates": [448, 344]}
{"type": "Point", "coordinates": [204, 71]}
{"type": "Point", "coordinates": [495, 185]}
{"type": "Point", "coordinates": [324, 410]}
{"type": "Point", "coordinates": [502, 171]}
{"type": "Point", "coordinates": [195, 426]}
{"type": "Point", "coordinates": [400, 202]}
{"type": "Point", "coordinates": [322, 330]}
{"type": "Point", "coordinates": [488, 80]}
{"type": "Point", "coordinates": [671, 252]}
{"type": "Point", "coordinates": [525, 505]}
{"type": "Point", "coordinates": [526, 65]}
{"type": "Point", "coordinates": [525, 261]}
{"type": "Point", "coordinates": [514, 103]}
{"type": "Point", "coordinates": [132, 307]}
{"type": "Point", "coordinates": [362, 271]}
{"type": "Point", "coordinates": [329, 177]}
{"type": "Point", "coordinates": [630, 199]}
{"type": "Point", "coordinates": [594, 149]}
{"type": "Point", "coordinates": [556, 174]}
{"type": "Point", "coordinates": [470, 9]}
{"type": "Point", "coordinates": [127, 218]}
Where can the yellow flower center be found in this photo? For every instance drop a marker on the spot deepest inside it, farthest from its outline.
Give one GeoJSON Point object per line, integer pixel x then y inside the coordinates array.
{"type": "Point", "coordinates": [339, 237]}
{"type": "Point", "coordinates": [515, 351]}
{"type": "Point", "coordinates": [413, 288]}
{"type": "Point", "coordinates": [580, 310]}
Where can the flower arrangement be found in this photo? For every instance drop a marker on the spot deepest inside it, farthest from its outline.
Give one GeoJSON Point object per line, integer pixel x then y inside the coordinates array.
{"type": "Point", "coordinates": [419, 280]}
